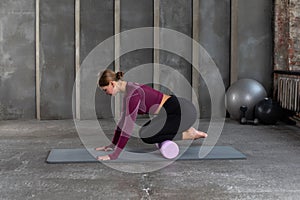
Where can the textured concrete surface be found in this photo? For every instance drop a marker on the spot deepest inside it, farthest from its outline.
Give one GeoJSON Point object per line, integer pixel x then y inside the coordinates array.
{"type": "Point", "coordinates": [136, 14]}
{"type": "Point", "coordinates": [215, 39]}
{"type": "Point", "coordinates": [255, 42]}
{"type": "Point", "coordinates": [17, 42]}
{"type": "Point", "coordinates": [17, 59]}
{"type": "Point", "coordinates": [96, 25]}
{"type": "Point", "coordinates": [176, 15]}
{"type": "Point", "coordinates": [57, 58]}
{"type": "Point", "coordinates": [271, 170]}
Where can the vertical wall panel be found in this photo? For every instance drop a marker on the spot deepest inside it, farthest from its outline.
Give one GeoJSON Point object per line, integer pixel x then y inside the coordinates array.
{"type": "Point", "coordinates": [96, 25]}
{"type": "Point", "coordinates": [234, 41]}
{"type": "Point", "coordinates": [57, 58]}
{"type": "Point", "coordinates": [17, 59]}
{"type": "Point", "coordinates": [136, 14]}
{"type": "Point", "coordinates": [255, 41]}
{"type": "Point", "coordinates": [215, 39]}
{"type": "Point", "coordinates": [176, 15]}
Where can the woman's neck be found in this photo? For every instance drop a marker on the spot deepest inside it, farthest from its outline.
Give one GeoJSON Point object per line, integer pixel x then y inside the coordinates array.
{"type": "Point", "coordinates": [122, 86]}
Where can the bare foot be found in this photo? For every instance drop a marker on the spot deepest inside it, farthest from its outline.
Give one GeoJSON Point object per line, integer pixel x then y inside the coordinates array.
{"type": "Point", "coordinates": [193, 134]}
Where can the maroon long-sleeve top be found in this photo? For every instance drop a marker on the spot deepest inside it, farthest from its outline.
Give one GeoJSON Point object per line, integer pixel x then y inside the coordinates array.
{"type": "Point", "coordinates": [138, 99]}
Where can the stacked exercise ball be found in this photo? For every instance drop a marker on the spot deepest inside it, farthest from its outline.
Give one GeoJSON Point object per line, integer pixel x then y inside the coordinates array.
{"type": "Point", "coordinates": [244, 92]}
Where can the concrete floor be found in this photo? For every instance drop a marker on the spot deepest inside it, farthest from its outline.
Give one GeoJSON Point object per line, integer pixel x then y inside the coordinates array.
{"type": "Point", "coordinates": [271, 171]}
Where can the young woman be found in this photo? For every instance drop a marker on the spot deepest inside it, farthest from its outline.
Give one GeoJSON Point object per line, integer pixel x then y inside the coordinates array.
{"type": "Point", "coordinates": [173, 114]}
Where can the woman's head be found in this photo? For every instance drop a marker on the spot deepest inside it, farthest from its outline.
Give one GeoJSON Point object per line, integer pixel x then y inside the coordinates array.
{"type": "Point", "coordinates": [107, 76]}
{"type": "Point", "coordinates": [108, 79]}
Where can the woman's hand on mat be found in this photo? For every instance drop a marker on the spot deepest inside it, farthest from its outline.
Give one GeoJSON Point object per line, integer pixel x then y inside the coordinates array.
{"type": "Point", "coordinates": [105, 148]}
{"type": "Point", "coordinates": [103, 157]}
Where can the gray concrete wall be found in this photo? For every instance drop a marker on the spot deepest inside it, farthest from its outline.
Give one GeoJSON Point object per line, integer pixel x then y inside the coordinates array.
{"type": "Point", "coordinates": [57, 60]}
{"type": "Point", "coordinates": [255, 41]}
{"type": "Point", "coordinates": [176, 15]}
{"type": "Point", "coordinates": [17, 59]}
{"type": "Point", "coordinates": [215, 39]}
{"type": "Point", "coordinates": [96, 25]}
{"type": "Point", "coordinates": [136, 14]}
{"type": "Point", "coordinates": [17, 47]}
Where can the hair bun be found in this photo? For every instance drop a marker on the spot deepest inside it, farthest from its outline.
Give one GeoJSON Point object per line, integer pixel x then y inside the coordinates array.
{"type": "Point", "coordinates": [119, 75]}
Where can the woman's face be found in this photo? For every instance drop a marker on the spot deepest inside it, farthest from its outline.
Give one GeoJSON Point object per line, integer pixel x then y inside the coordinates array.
{"type": "Point", "coordinates": [110, 89]}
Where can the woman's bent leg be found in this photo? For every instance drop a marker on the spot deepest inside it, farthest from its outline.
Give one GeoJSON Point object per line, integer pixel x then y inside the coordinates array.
{"type": "Point", "coordinates": [158, 130]}
{"type": "Point", "coordinates": [176, 116]}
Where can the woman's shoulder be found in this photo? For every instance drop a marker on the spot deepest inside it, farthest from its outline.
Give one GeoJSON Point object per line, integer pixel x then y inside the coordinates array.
{"type": "Point", "coordinates": [133, 87]}
{"type": "Point", "coordinates": [133, 83]}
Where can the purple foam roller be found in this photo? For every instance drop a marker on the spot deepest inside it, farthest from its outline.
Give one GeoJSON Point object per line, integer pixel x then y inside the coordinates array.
{"type": "Point", "coordinates": [168, 149]}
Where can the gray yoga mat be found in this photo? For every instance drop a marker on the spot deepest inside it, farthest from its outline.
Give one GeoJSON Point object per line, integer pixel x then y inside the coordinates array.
{"type": "Point", "coordinates": [140, 155]}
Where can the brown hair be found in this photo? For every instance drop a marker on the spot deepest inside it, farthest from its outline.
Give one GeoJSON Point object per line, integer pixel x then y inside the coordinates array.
{"type": "Point", "coordinates": [107, 76]}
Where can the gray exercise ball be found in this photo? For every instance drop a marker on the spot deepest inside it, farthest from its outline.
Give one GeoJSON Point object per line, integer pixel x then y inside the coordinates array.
{"type": "Point", "coordinates": [244, 92]}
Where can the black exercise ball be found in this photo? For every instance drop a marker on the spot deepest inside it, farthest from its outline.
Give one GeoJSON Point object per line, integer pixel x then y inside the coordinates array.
{"type": "Point", "coordinates": [267, 111]}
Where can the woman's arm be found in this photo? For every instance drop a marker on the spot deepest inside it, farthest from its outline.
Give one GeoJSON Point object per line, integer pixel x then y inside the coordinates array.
{"type": "Point", "coordinates": [131, 110]}
{"type": "Point", "coordinates": [118, 130]}
{"type": "Point", "coordinates": [116, 136]}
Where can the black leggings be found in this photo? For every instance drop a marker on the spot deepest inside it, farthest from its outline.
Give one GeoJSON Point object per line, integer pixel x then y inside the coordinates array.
{"type": "Point", "coordinates": [176, 115]}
